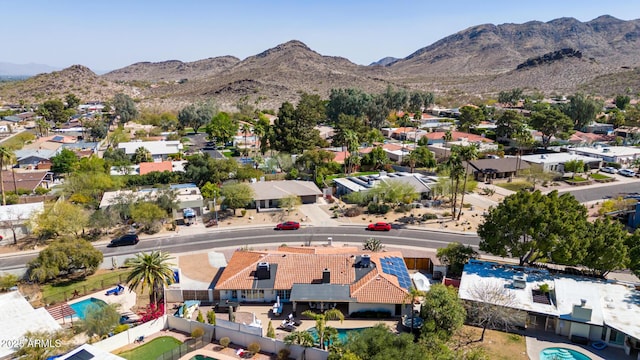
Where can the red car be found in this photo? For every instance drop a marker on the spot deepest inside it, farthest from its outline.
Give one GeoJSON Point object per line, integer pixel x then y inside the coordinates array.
{"type": "Point", "coordinates": [288, 225]}
{"type": "Point", "coordinates": [379, 226]}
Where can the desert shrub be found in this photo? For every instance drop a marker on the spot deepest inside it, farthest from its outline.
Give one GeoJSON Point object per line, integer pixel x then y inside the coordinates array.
{"type": "Point", "coordinates": [225, 341]}
{"type": "Point", "coordinates": [211, 317]}
{"type": "Point", "coordinates": [402, 208]}
{"type": "Point", "coordinates": [254, 347]}
{"type": "Point", "coordinates": [352, 212]}
{"type": "Point", "coordinates": [120, 328]}
{"type": "Point", "coordinates": [283, 354]}
{"type": "Point", "coordinates": [200, 318]}
{"type": "Point", "coordinates": [378, 208]}
{"type": "Point", "coordinates": [429, 216]}
{"type": "Point", "coordinates": [243, 212]}
{"type": "Point", "coordinates": [197, 332]}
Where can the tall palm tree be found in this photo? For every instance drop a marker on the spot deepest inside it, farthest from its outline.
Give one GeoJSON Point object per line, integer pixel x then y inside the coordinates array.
{"type": "Point", "coordinates": [456, 171]}
{"type": "Point", "coordinates": [321, 322]}
{"type": "Point", "coordinates": [152, 271]}
{"type": "Point", "coordinates": [411, 297]}
{"type": "Point", "coordinates": [467, 153]}
{"type": "Point", "coordinates": [246, 129]}
{"type": "Point", "coordinates": [6, 157]}
{"type": "Point", "coordinates": [353, 143]}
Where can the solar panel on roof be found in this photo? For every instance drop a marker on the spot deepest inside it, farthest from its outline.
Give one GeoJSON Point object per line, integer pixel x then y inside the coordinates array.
{"type": "Point", "coordinates": [58, 138]}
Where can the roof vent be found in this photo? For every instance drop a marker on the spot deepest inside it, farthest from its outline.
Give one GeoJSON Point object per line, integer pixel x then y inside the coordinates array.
{"type": "Point", "coordinates": [326, 276]}
{"type": "Point", "coordinates": [583, 302]}
{"type": "Point", "coordinates": [365, 260]}
{"type": "Point", "coordinates": [263, 271]}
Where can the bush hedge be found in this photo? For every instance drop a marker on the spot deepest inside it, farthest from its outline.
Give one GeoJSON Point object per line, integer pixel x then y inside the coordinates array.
{"type": "Point", "coordinates": [371, 314]}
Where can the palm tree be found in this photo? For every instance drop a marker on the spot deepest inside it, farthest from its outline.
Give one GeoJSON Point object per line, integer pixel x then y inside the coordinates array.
{"type": "Point", "coordinates": [467, 153]}
{"type": "Point", "coordinates": [456, 171]}
{"type": "Point", "coordinates": [6, 156]}
{"type": "Point", "coordinates": [141, 155]}
{"type": "Point", "coordinates": [321, 322]}
{"type": "Point", "coordinates": [246, 129]}
{"type": "Point", "coordinates": [152, 271]}
{"type": "Point", "coordinates": [411, 297]}
{"type": "Point", "coordinates": [302, 338]}
{"type": "Point", "coordinates": [353, 143]}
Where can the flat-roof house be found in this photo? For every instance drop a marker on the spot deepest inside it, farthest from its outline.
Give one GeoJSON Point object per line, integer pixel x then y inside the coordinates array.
{"type": "Point", "coordinates": [580, 308]}
{"type": "Point", "coordinates": [17, 317]}
{"type": "Point", "coordinates": [159, 150]}
{"type": "Point", "coordinates": [14, 219]}
{"type": "Point", "coordinates": [318, 278]}
{"type": "Point", "coordinates": [267, 194]}
{"type": "Point", "coordinates": [422, 184]}
{"type": "Point", "coordinates": [187, 195]}
{"type": "Point", "coordinates": [555, 161]}
{"type": "Point", "coordinates": [618, 154]}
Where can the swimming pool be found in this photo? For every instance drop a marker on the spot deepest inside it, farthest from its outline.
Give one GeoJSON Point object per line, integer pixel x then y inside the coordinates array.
{"type": "Point", "coordinates": [558, 353]}
{"type": "Point", "coordinates": [81, 307]}
{"type": "Point", "coordinates": [343, 334]}
{"type": "Point", "coordinates": [202, 357]}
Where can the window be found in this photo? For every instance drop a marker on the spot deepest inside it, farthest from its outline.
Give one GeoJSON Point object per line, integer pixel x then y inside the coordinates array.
{"type": "Point", "coordinates": [252, 295]}
{"type": "Point", "coordinates": [285, 295]}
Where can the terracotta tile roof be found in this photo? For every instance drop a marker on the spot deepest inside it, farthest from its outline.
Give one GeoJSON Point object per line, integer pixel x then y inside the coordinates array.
{"type": "Point", "coordinates": [305, 265]}
{"type": "Point", "coordinates": [147, 167]}
{"type": "Point", "coordinates": [457, 135]}
{"type": "Point", "coordinates": [403, 130]}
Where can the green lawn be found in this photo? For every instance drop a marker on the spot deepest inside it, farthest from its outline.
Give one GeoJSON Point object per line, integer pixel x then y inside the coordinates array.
{"type": "Point", "coordinates": [56, 292]}
{"type": "Point", "coordinates": [515, 185]}
{"type": "Point", "coordinates": [597, 176]}
{"type": "Point", "coordinates": [152, 349]}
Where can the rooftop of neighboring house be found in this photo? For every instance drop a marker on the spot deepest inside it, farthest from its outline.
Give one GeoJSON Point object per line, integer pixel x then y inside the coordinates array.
{"type": "Point", "coordinates": [561, 157]}
{"type": "Point", "coordinates": [279, 189]}
{"type": "Point", "coordinates": [457, 136]}
{"type": "Point", "coordinates": [39, 153]}
{"type": "Point", "coordinates": [382, 280]}
{"type": "Point", "coordinates": [421, 183]}
{"type": "Point", "coordinates": [154, 147]}
{"type": "Point", "coordinates": [501, 165]}
{"type": "Point", "coordinates": [609, 150]}
{"type": "Point", "coordinates": [19, 212]}
{"type": "Point", "coordinates": [28, 180]}
{"type": "Point", "coordinates": [613, 303]}
{"type": "Point", "coordinates": [184, 193]}
{"type": "Point", "coordinates": [147, 167]}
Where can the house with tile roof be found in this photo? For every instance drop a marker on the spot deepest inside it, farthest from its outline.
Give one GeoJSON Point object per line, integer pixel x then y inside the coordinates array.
{"type": "Point", "coordinates": [147, 167]}
{"type": "Point", "coordinates": [318, 277]}
{"type": "Point", "coordinates": [267, 194]}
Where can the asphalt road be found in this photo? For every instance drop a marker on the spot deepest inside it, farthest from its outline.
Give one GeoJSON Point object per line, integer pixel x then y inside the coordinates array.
{"type": "Point", "coordinates": [255, 236]}
{"type": "Point", "coordinates": [604, 192]}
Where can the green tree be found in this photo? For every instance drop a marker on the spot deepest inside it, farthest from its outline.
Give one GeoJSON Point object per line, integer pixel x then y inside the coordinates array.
{"type": "Point", "coordinates": [456, 171]}
{"type": "Point", "coordinates": [45, 344]}
{"type": "Point", "coordinates": [6, 157]}
{"type": "Point", "coordinates": [455, 256]}
{"type": "Point", "coordinates": [633, 244]}
{"type": "Point", "coordinates": [582, 110]}
{"type": "Point", "coordinates": [550, 123]}
{"type": "Point", "coordinates": [394, 192]}
{"type": "Point", "coordinates": [8, 281]}
{"type": "Point", "coordinates": [64, 162]}
{"type": "Point", "coordinates": [321, 322]}
{"type": "Point", "coordinates": [353, 144]}
{"type": "Point", "coordinates": [210, 191]}
{"type": "Point", "coordinates": [116, 137]}
{"type": "Point", "coordinates": [616, 117]}
{"type": "Point", "coordinates": [376, 158]}
{"type": "Point", "coordinates": [535, 227]}
{"type": "Point", "coordinates": [510, 97]}
{"type": "Point", "coordinates": [124, 107]}
{"type": "Point", "coordinates": [64, 257]}
{"type": "Point", "coordinates": [236, 195]}
{"type": "Point", "coordinates": [494, 307]}
{"type": "Point", "coordinates": [470, 116]}
{"type": "Point", "coordinates": [379, 343]}
{"type": "Point", "coordinates": [271, 332]}
{"type": "Point", "coordinates": [302, 338]}
{"type": "Point", "coordinates": [53, 110]}
{"type": "Point", "coordinates": [466, 154]}
{"type": "Point", "coordinates": [442, 311]}
{"type": "Point", "coordinates": [574, 166]}
{"type": "Point", "coordinates": [72, 101]}
{"type": "Point", "coordinates": [222, 128]}
{"type": "Point", "coordinates": [510, 122]}
{"type": "Point", "coordinates": [141, 155]}
{"type": "Point", "coordinates": [151, 271]}
{"type": "Point", "coordinates": [60, 218]}
{"type": "Point", "coordinates": [100, 320]}
{"type": "Point", "coordinates": [290, 202]}
{"type": "Point", "coordinates": [147, 215]}
{"type": "Point", "coordinates": [622, 101]}
{"type": "Point", "coordinates": [606, 246]}
{"type": "Point", "coordinates": [421, 156]}
{"type": "Point", "coordinates": [412, 296]}
{"type": "Point", "coordinates": [293, 134]}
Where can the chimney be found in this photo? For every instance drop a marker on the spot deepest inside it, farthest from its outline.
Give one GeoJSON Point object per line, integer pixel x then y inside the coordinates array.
{"type": "Point", "coordinates": [326, 276]}
{"type": "Point", "coordinates": [365, 260]}
{"type": "Point", "coordinates": [583, 302]}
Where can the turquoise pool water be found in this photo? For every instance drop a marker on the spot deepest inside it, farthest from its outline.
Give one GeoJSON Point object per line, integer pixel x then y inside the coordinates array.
{"type": "Point", "coordinates": [558, 353]}
{"type": "Point", "coordinates": [81, 306]}
{"type": "Point", "coordinates": [343, 334]}
{"type": "Point", "coordinates": [202, 357]}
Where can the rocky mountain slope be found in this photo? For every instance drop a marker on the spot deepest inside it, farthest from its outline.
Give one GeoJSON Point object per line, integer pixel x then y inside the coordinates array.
{"type": "Point", "coordinates": [481, 60]}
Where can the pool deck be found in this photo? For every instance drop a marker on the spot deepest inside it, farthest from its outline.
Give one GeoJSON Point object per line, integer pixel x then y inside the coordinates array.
{"type": "Point", "coordinates": [126, 300]}
{"type": "Point", "coordinates": [538, 341]}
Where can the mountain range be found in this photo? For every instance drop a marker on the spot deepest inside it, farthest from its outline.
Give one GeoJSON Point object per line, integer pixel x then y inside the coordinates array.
{"type": "Point", "coordinates": [560, 56]}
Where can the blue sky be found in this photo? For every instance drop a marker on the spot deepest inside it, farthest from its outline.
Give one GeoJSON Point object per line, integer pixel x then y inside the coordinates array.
{"type": "Point", "coordinates": [105, 35]}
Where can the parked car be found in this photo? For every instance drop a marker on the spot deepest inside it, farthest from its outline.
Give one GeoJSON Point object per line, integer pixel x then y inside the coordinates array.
{"type": "Point", "coordinates": [288, 225]}
{"type": "Point", "coordinates": [129, 239]}
{"type": "Point", "coordinates": [379, 226]}
{"type": "Point", "coordinates": [609, 169]}
{"type": "Point", "coordinates": [627, 172]}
